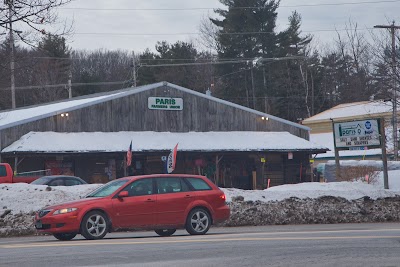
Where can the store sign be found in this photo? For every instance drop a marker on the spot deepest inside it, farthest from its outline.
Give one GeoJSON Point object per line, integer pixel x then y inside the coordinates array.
{"type": "Point", "coordinates": [357, 134]}
{"type": "Point", "coordinates": [165, 103]}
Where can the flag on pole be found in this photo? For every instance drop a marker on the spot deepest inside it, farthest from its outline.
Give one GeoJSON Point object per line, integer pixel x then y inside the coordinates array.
{"type": "Point", "coordinates": [171, 161]}
{"type": "Point", "coordinates": [129, 156]}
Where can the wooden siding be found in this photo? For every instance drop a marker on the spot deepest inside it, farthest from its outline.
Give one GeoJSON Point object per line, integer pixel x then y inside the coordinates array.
{"type": "Point", "coordinates": [131, 113]}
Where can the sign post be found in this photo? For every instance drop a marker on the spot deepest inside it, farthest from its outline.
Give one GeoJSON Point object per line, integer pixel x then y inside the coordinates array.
{"type": "Point", "coordinates": [337, 169]}
{"type": "Point", "coordinates": [384, 156]}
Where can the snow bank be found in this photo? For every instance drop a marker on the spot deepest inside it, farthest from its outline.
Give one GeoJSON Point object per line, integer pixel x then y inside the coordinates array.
{"type": "Point", "coordinates": [26, 198]}
{"type": "Point", "coordinates": [347, 190]}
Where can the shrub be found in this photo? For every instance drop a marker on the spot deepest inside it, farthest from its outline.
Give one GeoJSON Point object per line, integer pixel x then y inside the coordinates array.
{"type": "Point", "coordinates": [367, 174]}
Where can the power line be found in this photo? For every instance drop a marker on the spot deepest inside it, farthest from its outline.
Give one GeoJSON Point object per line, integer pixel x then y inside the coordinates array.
{"type": "Point", "coordinates": [207, 60]}
{"type": "Point", "coordinates": [225, 62]}
{"type": "Point", "coordinates": [239, 8]}
{"type": "Point", "coordinates": [156, 65]}
{"type": "Point", "coordinates": [63, 85]}
{"type": "Point", "coordinates": [196, 63]}
{"type": "Point", "coordinates": [220, 33]}
{"type": "Point", "coordinates": [147, 59]}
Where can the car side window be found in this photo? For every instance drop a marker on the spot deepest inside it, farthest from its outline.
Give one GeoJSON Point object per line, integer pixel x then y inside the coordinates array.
{"type": "Point", "coordinates": [71, 182]}
{"type": "Point", "coordinates": [56, 182]}
{"type": "Point", "coordinates": [140, 187]}
{"type": "Point", "coordinates": [3, 172]}
{"type": "Point", "coordinates": [198, 184]}
{"type": "Point", "coordinates": [171, 185]}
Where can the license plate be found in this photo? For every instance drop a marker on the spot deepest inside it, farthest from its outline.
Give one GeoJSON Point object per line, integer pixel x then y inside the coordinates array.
{"type": "Point", "coordinates": [38, 225]}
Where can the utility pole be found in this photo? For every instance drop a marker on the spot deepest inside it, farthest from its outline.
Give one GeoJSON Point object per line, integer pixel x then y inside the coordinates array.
{"type": "Point", "coordinates": [70, 83]}
{"type": "Point", "coordinates": [10, 4]}
{"type": "Point", "coordinates": [392, 32]}
{"type": "Point", "coordinates": [252, 87]}
{"type": "Point", "coordinates": [134, 69]}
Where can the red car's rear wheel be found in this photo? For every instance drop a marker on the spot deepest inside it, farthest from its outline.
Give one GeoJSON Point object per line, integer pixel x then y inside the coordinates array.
{"type": "Point", "coordinates": [198, 222]}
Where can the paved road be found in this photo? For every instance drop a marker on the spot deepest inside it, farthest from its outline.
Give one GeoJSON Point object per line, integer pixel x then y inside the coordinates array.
{"type": "Point", "coordinates": [302, 245]}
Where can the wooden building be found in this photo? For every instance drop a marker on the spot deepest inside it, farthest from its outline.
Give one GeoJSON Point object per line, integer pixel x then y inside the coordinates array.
{"type": "Point", "coordinates": [89, 136]}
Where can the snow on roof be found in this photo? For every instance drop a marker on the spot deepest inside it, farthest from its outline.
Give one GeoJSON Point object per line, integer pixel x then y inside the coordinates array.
{"type": "Point", "coordinates": [23, 115]}
{"type": "Point", "coordinates": [53, 142]}
{"type": "Point", "coordinates": [355, 109]}
{"type": "Point", "coordinates": [11, 118]}
{"type": "Point", "coordinates": [326, 139]}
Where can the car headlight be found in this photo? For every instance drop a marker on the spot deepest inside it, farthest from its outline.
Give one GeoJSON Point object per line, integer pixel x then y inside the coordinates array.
{"type": "Point", "coordinates": [63, 211]}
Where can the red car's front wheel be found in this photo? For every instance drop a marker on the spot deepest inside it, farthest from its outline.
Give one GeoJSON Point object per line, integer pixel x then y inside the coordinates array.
{"type": "Point", "coordinates": [64, 236]}
{"type": "Point", "coordinates": [165, 232]}
{"type": "Point", "coordinates": [94, 225]}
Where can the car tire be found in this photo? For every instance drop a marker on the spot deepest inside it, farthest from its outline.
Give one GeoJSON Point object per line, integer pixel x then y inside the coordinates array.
{"type": "Point", "coordinates": [64, 236]}
{"type": "Point", "coordinates": [94, 225]}
{"type": "Point", "coordinates": [198, 221]}
{"type": "Point", "coordinates": [165, 232]}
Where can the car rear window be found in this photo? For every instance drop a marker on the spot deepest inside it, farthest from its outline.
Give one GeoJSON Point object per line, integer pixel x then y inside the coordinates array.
{"type": "Point", "coordinates": [198, 184]}
{"type": "Point", "coordinates": [42, 180]}
{"type": "Point", "coordinates": [71, 182]}
{"type": "Point", "coordinates": [171, 185]}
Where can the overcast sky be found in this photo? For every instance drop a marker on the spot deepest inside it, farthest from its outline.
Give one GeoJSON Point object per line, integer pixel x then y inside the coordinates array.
{"type": "Point", "coordinates": [115, 24]}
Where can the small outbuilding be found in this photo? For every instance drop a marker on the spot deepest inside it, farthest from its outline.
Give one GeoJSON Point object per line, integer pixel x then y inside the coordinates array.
{"type": "Point", "coordinates": [321, 128]}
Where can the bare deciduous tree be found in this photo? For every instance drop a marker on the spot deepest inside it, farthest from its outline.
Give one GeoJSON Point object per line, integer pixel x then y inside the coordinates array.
{"type": "Point", "coordinates": [28, 16]}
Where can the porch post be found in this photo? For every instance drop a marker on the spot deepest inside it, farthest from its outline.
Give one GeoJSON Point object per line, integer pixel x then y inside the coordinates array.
{"type": "Point", "coordinates": [254, 175]}
{"type": "Point", "coordinates": [125, 172]}
{"type": "Point", "coordinates": [1, 147]}
{"type": "Point", "coordinates": [216, 170]}
{"type": "Point", "coordinates": [15, 165]}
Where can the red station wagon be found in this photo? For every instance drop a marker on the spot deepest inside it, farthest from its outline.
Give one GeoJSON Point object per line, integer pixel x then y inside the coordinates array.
{"type": "Point", "coordinates": [163, 203]}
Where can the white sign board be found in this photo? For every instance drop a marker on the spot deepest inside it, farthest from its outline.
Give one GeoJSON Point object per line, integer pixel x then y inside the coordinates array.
{"type": "Point", "coordinates": [357, 134]}
{"type": "Point", "coordinates": [165, 103]}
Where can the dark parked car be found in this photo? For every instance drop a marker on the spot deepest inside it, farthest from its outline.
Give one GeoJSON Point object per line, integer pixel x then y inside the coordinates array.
{"type": "Point", "coordinates": [59, 180]}
{"type": "Point", "coordinates": [159, 202]}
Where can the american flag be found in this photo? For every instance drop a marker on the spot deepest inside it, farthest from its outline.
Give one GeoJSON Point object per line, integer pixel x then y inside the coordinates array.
{"type": "Point", "coordinates": [129, 155]}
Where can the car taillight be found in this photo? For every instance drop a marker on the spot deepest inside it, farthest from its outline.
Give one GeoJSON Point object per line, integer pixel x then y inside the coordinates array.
{"type": "Point", "coordinates": [223, 197]}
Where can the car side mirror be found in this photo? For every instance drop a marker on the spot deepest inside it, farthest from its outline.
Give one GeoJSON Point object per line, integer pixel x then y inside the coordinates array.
{"type": "Point", "coordinates": [123, 194]}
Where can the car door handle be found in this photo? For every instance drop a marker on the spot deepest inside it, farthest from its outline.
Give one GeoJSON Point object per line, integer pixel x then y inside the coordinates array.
{"type": "Point", "coordinates": [150, 200]}
{"type": "Point", "coordinates": [188, 196]}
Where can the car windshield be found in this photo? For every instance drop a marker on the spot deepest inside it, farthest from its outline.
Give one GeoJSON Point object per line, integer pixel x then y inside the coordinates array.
{"type": "Point", "coordinates": [42, 180]}
{"type": "Point", "coordinates": [107, 189]}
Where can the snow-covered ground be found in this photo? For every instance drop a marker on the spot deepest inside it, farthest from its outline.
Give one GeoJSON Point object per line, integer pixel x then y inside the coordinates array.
{"type": "Point", "coordinates": [27, 198]}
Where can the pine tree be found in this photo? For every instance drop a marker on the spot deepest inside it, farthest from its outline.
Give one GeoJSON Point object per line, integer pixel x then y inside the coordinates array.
{"type": "Point", "coordinates": [266, 81]}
